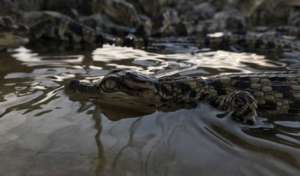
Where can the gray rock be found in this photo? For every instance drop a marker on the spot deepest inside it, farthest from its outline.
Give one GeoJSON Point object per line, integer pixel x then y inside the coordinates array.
{"type": "Point", "coordinates": [294, 17]}
{"type": "Point", "coordinates": [63, 6]}
{"type": "Point", "coordinates": [154, 8]}
{"type": "Point", "coordinates": [231, 20]}
{"type": "Point", "coordinates": [195, 18]}
{"type": "Point", "coordinates": [66, 6]}
{"type": "Point", "coordinates": [102, 23]}
{"type": "Point", "coordinates": [30, 5]}
{"type": "Point", "coordinates": [170, 20]}
{"type": "Point", "coordinates": [7, 7]}
{"type": "Point", "coordinates": [11, 34]}
{"type": "Point", "coordinates": [120, 11]}
{"type": "Point", "coordinates": [57, 27]}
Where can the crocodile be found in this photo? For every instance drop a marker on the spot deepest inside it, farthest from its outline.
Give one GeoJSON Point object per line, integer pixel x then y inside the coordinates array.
{"type": "Point", "coordinates": [244, 96]}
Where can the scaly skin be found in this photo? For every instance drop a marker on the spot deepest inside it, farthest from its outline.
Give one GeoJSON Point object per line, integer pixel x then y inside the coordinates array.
{"type": "Point", "coordinates": [241, 95]}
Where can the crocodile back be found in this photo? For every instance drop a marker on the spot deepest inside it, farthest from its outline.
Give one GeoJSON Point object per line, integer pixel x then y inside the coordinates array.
{"type": "Point", "coordinates": [275, 92]}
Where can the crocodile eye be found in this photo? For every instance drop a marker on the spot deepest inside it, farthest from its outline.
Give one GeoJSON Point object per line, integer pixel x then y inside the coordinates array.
{"type": "Point", "coordinates": [109, 85]}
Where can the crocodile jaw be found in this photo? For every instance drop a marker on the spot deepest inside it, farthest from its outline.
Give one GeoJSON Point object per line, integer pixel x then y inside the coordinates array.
{"type": "Point", "coordinates": [83, 90]}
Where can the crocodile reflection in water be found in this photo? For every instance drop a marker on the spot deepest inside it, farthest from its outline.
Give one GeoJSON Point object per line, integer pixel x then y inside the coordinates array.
{"type": "Point", "coordinates": [241, 95]}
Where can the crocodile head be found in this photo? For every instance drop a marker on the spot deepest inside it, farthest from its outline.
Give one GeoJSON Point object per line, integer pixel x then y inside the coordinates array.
{"type": "Point", "coordinates": [120, 94]}
{"type": "Point", "coordinates": [121, 85]}
{"type": "Point", "coordinates": [137, 92]}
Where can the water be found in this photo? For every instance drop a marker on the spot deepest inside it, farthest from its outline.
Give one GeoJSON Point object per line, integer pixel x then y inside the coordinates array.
{"type": "Point", "coordinates": [43, 131]}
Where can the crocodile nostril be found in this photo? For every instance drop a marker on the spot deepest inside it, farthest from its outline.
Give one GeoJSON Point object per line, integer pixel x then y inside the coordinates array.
{"type": "Point", "coordinates": [73, 85]}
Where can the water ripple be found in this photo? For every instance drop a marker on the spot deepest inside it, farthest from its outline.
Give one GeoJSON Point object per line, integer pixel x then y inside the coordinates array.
{"type": "Point", "coordinates": [39, 121]}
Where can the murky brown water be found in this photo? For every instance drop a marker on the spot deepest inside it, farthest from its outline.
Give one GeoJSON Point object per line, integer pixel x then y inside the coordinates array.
{"type": "Point", "coordinates": [44, 132]}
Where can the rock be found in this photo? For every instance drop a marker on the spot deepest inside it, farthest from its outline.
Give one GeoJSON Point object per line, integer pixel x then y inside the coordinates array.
{"type": "Point", "coordinates": [11, 34]}
{"type": "Point", "coordinates": [269, 12]}
{"type": "Point", "coordinates": [172, 24]}
{"type": "Point", "coordinates": [200, 12]}
{"type": "Point", "coordinates": [204, 11]}
{"type": "Point", "coordinates": [231, 20]}
{"type": "Point", "coordinates": [294, 17]}
{"type": "Point", "coordinates": [9, 24]}
{"type": "Point", "coordinates": [62, 6]}
{"type": "Point", "coordinates": [246, 7]}
{"type": "Point", "coordinates": [7, 7]}
{"type": "Point", "coordinates": [195, 18]}
{"type": "Point", "coordinates": [120, 18]}
{"type": "Point", "coordinates": [57, 27]}
{"type": "Point", "coordinates": [120, 11]}
{"type": "Point", "coordinates": [11, 40]}
{"type": "Point", "coordinates": [30, 5]}
{"type": "Point", "coordinates": [155, 8]}
{"type": "Point", "coordinates": [170, 19]}
{"type": "Point", "coordinates": [147, 26]}
{"type": "Point", "coordinates": [84, 7]}
{"type": "Point", "coordinates": [102, 23]}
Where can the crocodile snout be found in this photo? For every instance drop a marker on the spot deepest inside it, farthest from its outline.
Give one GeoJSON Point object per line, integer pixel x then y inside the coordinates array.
{"type": "Point", "coordinates": [82, 87]}
{"type": "Point", "coordinates": [73, 84]}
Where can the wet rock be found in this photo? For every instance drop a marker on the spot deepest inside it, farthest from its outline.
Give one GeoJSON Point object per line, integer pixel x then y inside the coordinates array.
{"type": "Point", "coordinates": [120, 11]}
{"type": "Point", "coordinates": [7, 23]}
{"type": "Point", "coordinates": [84, 7]}
{"type": "Point", "coordinates": [294, 17]}
{"type": "Point", "coordinates": [11, 34]}
{"type": "Point", "coordinates": [194, 19]}
{"type": "Point", "coordinates": [246, 7]}
{"type": "Point", "coordinates": [30, 5]}
{"type": "Point", "coordinates": [65, 6]}
{"type": "Point", "coordinates": [146, 26]}
{"type": "Point", "coordinates": [172, 24]}
{"type": "Point", "coordinates": [58, 27]}
{"type": "Point", "coordinates": [131, 41]}
{"type": "Point", "coordinates": [155, 8]}
{"type": "Point", "coordinates": [201, 29]}
{"type": "Point", "coordinates": [7, 7]}
{"type": "Point", "coordinates": [11, 40]}
{"type": "Point", "coordinates": [112, 33]}
{"type": "Point", "coordinates": [231, 20]}
{"type": "Point", "coordinates": [102, 23]}
{"type": "Point", "coordinates": [204, 11]}
{"type": "Point", "coordinates": [270, 12]}
{"type": "Point", "coordinates": [119, 18]}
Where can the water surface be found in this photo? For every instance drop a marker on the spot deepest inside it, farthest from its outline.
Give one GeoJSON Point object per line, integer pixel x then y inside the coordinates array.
{"type": "Point", "coordinates": [43, 131]}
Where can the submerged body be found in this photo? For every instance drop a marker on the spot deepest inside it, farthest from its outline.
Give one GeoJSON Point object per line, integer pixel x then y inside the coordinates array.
{"type": "Point", "coordinates": [242, 95]}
